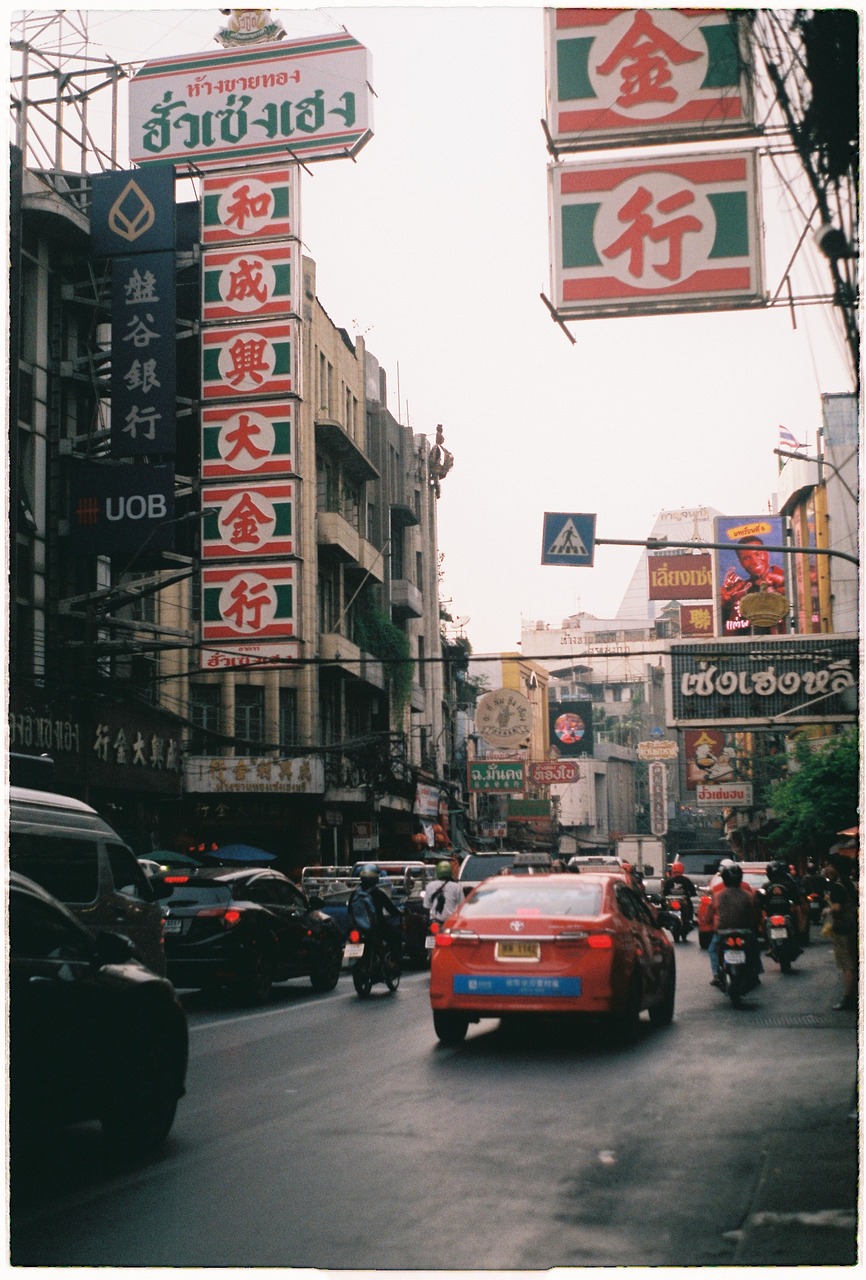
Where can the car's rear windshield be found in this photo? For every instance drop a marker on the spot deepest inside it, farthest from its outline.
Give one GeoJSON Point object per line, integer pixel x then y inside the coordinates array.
{"type": "Point", "coordinates": [507, 897]}
{"type": "Point", "coordinates": [205, 893]}
{"type": "Point", "coordinates": [480, 866]}
{"type": "Point", "coordinates": [697, 864]}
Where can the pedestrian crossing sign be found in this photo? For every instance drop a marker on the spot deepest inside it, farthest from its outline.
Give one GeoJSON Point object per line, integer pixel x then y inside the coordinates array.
{"type": "Point", "coordinates": [568, 539]}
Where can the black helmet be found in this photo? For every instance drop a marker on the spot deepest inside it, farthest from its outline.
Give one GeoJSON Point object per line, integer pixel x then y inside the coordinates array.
{"type": "Point", "coordinates": [732, 876]}
{"type": "Point", "coordinates": [368, 875]}
{"type": "Point", "coordinates": [777, 872]}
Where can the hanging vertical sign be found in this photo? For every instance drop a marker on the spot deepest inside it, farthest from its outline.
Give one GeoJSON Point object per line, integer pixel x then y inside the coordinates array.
{"type": "Point", "coordinates": [255, 439]}
{"type": "Point", "coordinates": [132, 211]}
{"type": "Point", "coordinates": [617, 76]}
{"type": "Point", "coordinates": [143, 355]}
{"type": "Point", "coordinates": [658, 797]}
{"type": "Point", "coordinates": [252, 605]}
{"type": "Point", "coordinates": [251, 205]}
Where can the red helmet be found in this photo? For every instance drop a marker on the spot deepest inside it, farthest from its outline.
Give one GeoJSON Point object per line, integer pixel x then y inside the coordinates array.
{"type": "Point", "coordinates": [677, 869]}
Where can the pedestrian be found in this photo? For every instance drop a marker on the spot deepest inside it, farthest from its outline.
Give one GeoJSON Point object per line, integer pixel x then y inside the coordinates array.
{"type": "Point", "coordinates": [443, 895]}
{"type": "Point", "coordinates": [842, 904]}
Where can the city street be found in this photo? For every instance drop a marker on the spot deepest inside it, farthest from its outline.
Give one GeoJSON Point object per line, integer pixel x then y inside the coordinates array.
{"type": "Point", "coordinates": [327, 1132]}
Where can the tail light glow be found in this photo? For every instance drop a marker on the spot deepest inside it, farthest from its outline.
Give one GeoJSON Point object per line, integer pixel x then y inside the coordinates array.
{"type": "Point", "coordinates": [777, 920]}
{"type": "Point", "coordinates": [227, 916]}
{"type": "Point", "coordinates": [600, 941]}
{"type": "Point", "coordinates": [354, 935]}
{"type": "Point", "coordinates": [175, 879]}
{"type": "Point", "coordinates": [675, 903]}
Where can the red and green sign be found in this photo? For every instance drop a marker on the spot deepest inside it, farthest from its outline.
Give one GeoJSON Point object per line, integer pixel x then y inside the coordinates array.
{"type": "Point", "coordinates": [250, 603]}
{"type": "Point", "coordinates": [673, 233]}
{"type": "Point", "coordinates": [248, 520]}
{"type": "Point", "coordinates": [253, 440]}
{"type": "Point", "coordinates": [637, 76]}
{"type": "Point", "coordinates": [241, 361]}
{"type": "Point", "coordinates": [250, 205]}
{"type": "Point", "coordinates": [250, 283]}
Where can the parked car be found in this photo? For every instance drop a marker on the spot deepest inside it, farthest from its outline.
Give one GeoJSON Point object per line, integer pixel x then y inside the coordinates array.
{"type": "Point", "coordinates": [93, 1033]}
{"type": "Point", "coordinates": [245, 929]}
{"type": "Point", "coordinates": [65, 846]}
{"type": "Point", "coordinates": [558, 943]}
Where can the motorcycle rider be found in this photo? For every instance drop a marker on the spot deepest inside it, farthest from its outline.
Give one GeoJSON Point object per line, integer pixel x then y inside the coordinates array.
{"type": "Point", "coordinates": [733, 907]}
{"type": "Point", "coordinates": [381, 932]}
{"type": "Point", "coordinates": [783, 893]}
{"type": "Point", "coordinates": [676, 883]}
{"type": "Point", "coordinates": [443, 895]}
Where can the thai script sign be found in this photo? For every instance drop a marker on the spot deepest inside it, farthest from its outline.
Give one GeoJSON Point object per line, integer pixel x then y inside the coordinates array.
{"type": "Point", "coordinates": [660, 234]}
{"type": "Point", "coordinates": [256, 602]}
{"type": "Point", "coordinates": [143, 355]}
{"type": "Point", "coordinates": [115, 509]}
{"type": "Point", "coordinates": [239, 361]}
{"type": "Point", "coordinates": [781, 681]}
{"type": "Point", "coordinates": [747, 569]}
{"type": "Point", "coordinates": [298, 775]}
{"type": "Point", "coordinates": [248, 520]}
{"type": "Point", "coordinates": [496, 775]}
{"type": "Point", "coordinates": [570, 728]}
{"type": "Point", "coordinates": [252, 441]}
{"type": "Point", "coordinates": [251, 283]}
{"type": "Point", "coordinates": [680, 577]}
{"type": "Point", "coordinates": [618, 76]}
{"type": "Point", "coordinates": [132, 211]}
{"type": "Point", "coordinates": [426, 800]}
{"type": "Point", "coordinates": [731, 795]}
{"type": "Point", "coordinates": [252, 205]}
{"type": "Point", "coordinates": [697, 620]}
{"type": "Point", "coordinates": [310, 98]}
{"type": "Point", "coordinates": [239, 657]}
{"type": "Point", "coordinates": [503, 717]}
{"type": "Point", "coordinates": [657, 749]}
{"type": "Point", "coordinates": [546, 773]}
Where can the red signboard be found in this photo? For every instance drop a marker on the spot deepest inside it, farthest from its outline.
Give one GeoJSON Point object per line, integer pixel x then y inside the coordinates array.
{"type": "Point", "coordinates": [545, 773]}
{"type": "Point", "coordinates": [680, 577]}
{"type": "Point", "coordinates": [696, 620]}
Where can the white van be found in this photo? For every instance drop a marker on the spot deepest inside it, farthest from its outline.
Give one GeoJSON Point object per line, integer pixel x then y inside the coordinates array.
{"type": "Point", "coordinates": [63, 845]}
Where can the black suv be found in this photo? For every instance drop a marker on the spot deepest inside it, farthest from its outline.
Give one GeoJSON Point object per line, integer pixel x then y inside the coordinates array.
{"type": "Point", "coordinates": [245, 929]}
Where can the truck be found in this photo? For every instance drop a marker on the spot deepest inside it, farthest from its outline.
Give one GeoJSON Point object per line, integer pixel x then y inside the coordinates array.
{"type": "Point", "coordinates": [646, 853]}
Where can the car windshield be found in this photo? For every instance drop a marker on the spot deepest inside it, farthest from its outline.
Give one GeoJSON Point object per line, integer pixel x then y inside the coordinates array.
{"type": "Point", "coordinates": [480, 866]}
{"type": "Point", "coordinates": [508, 897]}
{"type": "Point", "coordinates": [194, 892]}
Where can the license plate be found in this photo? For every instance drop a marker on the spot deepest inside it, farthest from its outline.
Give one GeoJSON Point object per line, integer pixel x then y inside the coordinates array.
{"type": "Point", "coordinates": [173, 926]}
{"type": "Point", "coordinates": [735, 957]}
{"type": "Point", "coordinates": [353, 950]}
{"type": "Point", "coordinates": [518, 951]}
{"type": "Point", "coordinates": [430, 941]}
{"type": "Point", "coordinates": [778, 933]}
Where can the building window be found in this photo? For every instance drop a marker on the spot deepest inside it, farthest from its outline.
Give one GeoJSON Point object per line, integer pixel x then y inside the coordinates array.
{"type": "Point", "coordinates": [288, 717]}
{"type": "Point", "coordinates": [250, 717]}
{"type": "Point", "coordinates": [422, 666]}
{"type": "Point", "coordinates": [327, 494]}
{"type": "Point", "coordinates": [327, 603]}
{"type": "Point", "coordinates": [205, 706]}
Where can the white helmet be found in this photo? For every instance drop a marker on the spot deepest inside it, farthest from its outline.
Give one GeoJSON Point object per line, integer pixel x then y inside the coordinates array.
{"type": "Point", "coordinates": [726, 862]}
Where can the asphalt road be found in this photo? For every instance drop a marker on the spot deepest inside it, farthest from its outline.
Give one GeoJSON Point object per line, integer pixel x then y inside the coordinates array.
{"type": "Point", "coordinates": [327, 1132]}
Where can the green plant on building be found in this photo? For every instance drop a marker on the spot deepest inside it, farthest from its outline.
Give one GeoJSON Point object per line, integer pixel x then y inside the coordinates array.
{"type": "Point", "coordinates": [375, 633]}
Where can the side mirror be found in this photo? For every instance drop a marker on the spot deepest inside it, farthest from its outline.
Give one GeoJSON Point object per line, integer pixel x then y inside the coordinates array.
{"type": "Point", "coordinates": [112, 948]}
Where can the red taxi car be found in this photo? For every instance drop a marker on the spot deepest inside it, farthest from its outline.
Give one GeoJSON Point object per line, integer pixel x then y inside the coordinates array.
{"type": "Point", "coordinates": [558, 943]}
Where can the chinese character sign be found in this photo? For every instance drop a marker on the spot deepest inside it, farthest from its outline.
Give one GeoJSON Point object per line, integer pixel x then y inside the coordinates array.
{"type": "Point", "coordinates": [243, 360]}
{"type": "Point", "coordinates": [247, 603]}
{"type": "Point", "coordinates": [746, 568]}
{"type": "Point", "coordinates": [253, 440]}
{"type": "Point", "coordinates": [255, 205]}
{"type": "Point", "coordinates": [697, 620]}
{"type": "Point", "coordinates": [678, 233]}
{"type": "Point", "coordinates": [253, 520]}
{"type": "Point", "coordinates": [249, 283]}
{"type": "Point", "coordinates": [636, 75]}
{"type": "Point", "coordinates": [234, 107]}
{"type": "Point", "coordinates": [143, 355]}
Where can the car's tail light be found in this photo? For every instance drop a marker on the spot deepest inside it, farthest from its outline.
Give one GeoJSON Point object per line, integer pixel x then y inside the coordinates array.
{"type": "Point", "coordinates": [675, 903]}
{"type": "Point", "coordinates": [777, 920]}
{"type": "Point", "coordinates": [443, 939]}
{"type": "Point", "coordinates": [435, 926]}
{"type": "Point", "coordinates": [354, 935]}
{"type": "Point", "coordinates": [175, 879]}
{"type": "Point", "coordinates": [813, 897]}
{"type": "Point", "coordinates": [600, 941]}
{"type": "Point", "coordinates": [227, 916]}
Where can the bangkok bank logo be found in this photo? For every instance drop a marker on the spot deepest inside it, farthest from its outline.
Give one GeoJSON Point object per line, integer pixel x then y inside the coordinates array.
{"type": "Point", "coordinates": [132, 214]}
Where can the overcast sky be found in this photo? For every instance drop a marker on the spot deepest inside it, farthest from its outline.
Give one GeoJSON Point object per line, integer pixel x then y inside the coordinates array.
{"type": "Point", "coordinates": [433, 245]}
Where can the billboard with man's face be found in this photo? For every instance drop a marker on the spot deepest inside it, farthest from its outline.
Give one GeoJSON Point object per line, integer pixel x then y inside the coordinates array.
{"type": "Point", "coordinates": [750, 578]}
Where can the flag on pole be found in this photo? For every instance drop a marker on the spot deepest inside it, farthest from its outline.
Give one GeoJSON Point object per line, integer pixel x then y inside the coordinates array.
{"type": "Point", "coordinates": [787, 440]}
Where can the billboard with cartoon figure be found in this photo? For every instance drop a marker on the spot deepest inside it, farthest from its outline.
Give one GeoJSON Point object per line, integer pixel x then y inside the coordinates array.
{"type": "Point", "coordinates": [750, 577]}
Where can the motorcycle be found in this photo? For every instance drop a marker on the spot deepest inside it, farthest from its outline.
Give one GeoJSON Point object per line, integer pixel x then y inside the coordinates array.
{"type": "Point", "coordinates": [738, 964]}
{"type": "Point", "coordinates": [680, 915]}
{"type": "Point", "coordinates": [371, 965]}
{"type": "Point", "coordinates": [816, 908]}
{"type": "Point", "coordinates": [780, 935]}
